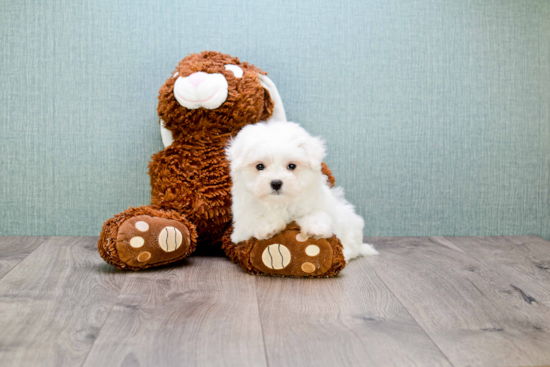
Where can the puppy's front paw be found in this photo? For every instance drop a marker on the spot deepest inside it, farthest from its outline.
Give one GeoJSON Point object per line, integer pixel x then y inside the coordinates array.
{"type": "Point", "coordinates": [317, 226]}
{"type": "Point", "coordinates": [265, 229]}
{"type": "Point", "coordinates": [318, 231]}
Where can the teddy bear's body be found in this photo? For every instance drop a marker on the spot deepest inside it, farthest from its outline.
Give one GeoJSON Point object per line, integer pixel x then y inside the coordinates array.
{"type": "Point", "coordinates": [191, 176]}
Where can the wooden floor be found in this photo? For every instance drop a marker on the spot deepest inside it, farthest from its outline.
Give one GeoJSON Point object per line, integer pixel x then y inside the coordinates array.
{"type": "Point", "coordinates": [430, 301]}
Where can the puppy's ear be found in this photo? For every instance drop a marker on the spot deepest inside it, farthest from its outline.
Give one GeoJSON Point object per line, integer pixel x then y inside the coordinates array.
{"type": "Point", "coordinates": [234, 153]}
{"type": "Point", "coordinates": [314, 148]}
{"type": "Point", "coordinates": [231, 152]}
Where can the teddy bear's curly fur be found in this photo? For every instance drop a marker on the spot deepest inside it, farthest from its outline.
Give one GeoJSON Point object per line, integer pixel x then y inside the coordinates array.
{"type": "Point", "coordinates": [190, 182]}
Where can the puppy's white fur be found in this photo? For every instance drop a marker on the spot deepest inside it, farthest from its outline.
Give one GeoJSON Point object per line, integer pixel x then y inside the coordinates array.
{"type": "Point", "coordinates": [305, 196]}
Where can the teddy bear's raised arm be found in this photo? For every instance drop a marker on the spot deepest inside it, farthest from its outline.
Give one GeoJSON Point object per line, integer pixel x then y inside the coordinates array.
{"type": "Point", "coordinates": [327, 172]}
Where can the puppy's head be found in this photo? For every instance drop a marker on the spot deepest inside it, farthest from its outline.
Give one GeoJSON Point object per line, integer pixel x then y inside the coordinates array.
{"type": "Point", "coordinates": [275, 161]}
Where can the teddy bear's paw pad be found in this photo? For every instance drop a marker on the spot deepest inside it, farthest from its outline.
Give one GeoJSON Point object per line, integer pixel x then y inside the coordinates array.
{"type": "Point", "coordinates": [146, 240]}
{"type": "Point", "coordinates": [291, 254]}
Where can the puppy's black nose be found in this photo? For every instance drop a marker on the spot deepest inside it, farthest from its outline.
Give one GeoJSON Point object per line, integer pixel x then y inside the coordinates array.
{"type": "Point", "coordinates": [276, 184]}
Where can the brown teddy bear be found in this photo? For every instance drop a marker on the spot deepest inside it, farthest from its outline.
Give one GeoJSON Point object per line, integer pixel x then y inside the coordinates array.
{"type": "Point", "coordinates": [206, 101]}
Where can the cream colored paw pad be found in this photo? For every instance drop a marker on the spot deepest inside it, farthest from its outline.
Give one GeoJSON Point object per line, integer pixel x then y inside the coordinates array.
{"type": "Point", "coordinates": [276, 256]}
{"type": "Point", "coordinates": [142, 226]}
{"type": "Point", "coordinates": [312, 250]}
{"type": "Point", "coordinates": [308, 267]}
{"type": "Point", "coordinates": [300, 237]}
{"type": "Point", "coordinates": [170, 239]}
{"type": "Point", "coordinates": [144, 256]}
{"type": "Point", "coordinates": [137, 242]}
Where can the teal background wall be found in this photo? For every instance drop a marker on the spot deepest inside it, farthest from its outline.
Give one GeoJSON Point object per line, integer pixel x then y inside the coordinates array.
{"type": "Point", "coordinates": [436, 113]}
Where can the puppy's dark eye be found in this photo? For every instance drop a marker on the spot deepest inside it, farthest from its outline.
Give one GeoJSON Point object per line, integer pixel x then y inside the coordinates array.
{"type": "Point", "coordinates": [291, 166]}
{"type": "Point", "coordinates": [260, 166]}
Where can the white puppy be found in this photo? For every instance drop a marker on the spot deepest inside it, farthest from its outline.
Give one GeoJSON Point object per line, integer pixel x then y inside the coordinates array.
{"type": "Point", "coordinates": [277, 179]}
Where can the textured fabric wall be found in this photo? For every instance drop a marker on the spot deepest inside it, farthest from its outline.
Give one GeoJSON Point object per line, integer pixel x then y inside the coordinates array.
{"type": "Point", "coordinates": [436, 113]}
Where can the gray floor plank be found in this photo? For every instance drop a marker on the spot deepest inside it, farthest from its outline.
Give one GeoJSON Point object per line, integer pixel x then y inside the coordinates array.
{"type": "Point", "coordinates": [199, 312]}
{"type": "Point", "coordinates": [470, 311]}
{"type": "Point", "coordinates": [13, 249]}
{"type": "Point", "coordinates": [352, 320]}
{"type": "Point", "coordinates": [535, 248]}
{"type": "Point", "coordinates": [505, 257]}
{"type": "Point", "coordinates": [53, 304]}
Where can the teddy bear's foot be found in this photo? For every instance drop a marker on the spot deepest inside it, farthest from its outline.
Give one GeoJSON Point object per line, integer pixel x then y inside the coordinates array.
{"type": "Point", "coordinates": [140, 238]}
{"type": "Point", "coordinates": [288, 253]}
{"type": "Point", "coordinates": [146, 240]}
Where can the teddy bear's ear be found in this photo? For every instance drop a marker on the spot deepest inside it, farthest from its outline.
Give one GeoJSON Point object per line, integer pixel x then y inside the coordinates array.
{"type": "Point", "coordinates": [278, 109]}
{"type": "Point", "coordinates": [165, 134]}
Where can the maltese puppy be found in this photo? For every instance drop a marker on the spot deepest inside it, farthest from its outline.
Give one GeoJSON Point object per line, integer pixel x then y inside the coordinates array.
{"type": "Point", "coordinates": [277, 179]}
